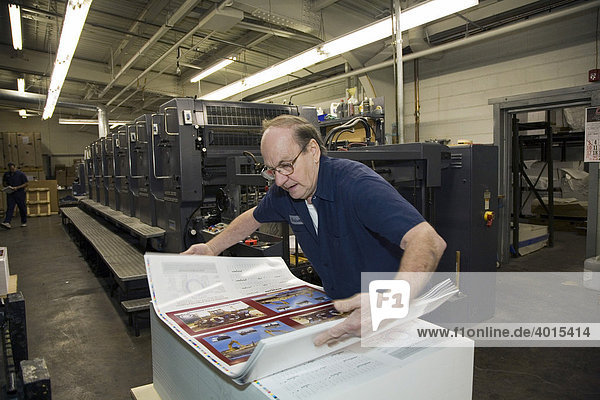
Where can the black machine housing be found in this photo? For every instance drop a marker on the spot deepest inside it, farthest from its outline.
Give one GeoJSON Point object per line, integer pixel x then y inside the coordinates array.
{"type": "Point", "coordinates": [194, 143]}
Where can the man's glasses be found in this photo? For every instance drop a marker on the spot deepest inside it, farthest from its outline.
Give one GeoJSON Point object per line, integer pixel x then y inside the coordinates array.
{"type": "Point", "coordinates": [285, 168]}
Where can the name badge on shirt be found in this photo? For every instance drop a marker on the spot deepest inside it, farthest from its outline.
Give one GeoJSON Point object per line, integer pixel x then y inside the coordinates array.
{"type": "Point", "coordinates": [295, 220]}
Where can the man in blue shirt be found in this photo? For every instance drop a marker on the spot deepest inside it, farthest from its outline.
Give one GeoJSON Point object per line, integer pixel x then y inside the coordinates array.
{"type": "Point", "coordinates": [14, 182]}
{"type": "Point", "coordinates": [346, 217]}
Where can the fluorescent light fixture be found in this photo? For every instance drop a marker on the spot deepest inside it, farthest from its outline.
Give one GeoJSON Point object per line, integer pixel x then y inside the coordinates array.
{"type": "Point", "coordinates": [21, 85]}
{"type": "Point", "coordinates": [211, 70]}
{"type": "Point", "coordinates": [412, 17]}
{"type": "Point", "coordinates": [23, 113]}
{"type": "Point", "coordinates": [74, 121]}
{"type": "Point", "coordinates": [75, 16]}
{"type": "Point", "coordinates": [14, 12]}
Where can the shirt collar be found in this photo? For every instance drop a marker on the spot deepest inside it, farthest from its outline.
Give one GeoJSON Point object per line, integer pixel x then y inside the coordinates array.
{"type": "Point", "coordinates": [325, 185]}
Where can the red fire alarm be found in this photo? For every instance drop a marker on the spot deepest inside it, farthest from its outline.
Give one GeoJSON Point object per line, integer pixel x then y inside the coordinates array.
{"type": "Point", "coordinates": [594, 75]}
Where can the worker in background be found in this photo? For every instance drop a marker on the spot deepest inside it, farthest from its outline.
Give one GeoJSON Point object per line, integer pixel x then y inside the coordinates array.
{"type": "Point", "coordinates": [346, 217]}
{"type": "Point", "coordinates": [14, 182]}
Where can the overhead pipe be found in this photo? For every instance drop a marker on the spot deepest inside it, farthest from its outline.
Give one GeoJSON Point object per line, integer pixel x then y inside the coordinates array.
{"type": "Point", "coordinates": [417, 100]}
{"type": "Point", "coordinates": [398, 72]}
{"type": "Point", "coordinates": [180, 13]}
{"type": "Point", "coordinates": [201, 23]}
{"type": "Point", "coordinates": [444, 47]}
{"type": "Point", "coordinates": [34, 98]}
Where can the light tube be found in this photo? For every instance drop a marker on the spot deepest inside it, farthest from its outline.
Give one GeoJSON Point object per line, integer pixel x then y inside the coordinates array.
{"type": "Point", "coordinates": [21, 85]}
{"type": "Point", "coordinates": [74, 121]}
{"type": "Point", "coordinates": [75, 16]}
{"type": "Point", "coordinates": [211, 70]}
{"type": "Point", "coordinates": [14, 12]}
{"type": "Point", "coordinates": [412, 17]}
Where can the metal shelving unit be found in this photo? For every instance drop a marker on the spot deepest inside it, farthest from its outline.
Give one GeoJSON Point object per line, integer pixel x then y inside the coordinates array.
{"type": "Point", "coordinates": [519, 175]}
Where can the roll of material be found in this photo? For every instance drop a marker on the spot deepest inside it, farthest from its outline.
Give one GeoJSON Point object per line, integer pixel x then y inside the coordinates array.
{"type": "Point", "coordinates": [591, 273]}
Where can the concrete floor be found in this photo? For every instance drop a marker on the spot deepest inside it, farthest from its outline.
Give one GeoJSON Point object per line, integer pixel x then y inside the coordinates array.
{"type": "Point", "coordinates": [92, 353]}
{"type": "Point", "coordinates": [540, 373]}
{"type": "Point", "coordinates": [72, 322]}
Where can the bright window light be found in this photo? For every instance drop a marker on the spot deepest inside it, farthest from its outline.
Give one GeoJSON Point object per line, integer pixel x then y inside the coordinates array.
{"type": "Point", "coordinates": [14, 12]}
{"type": "Point", "coordinates": [213, 69]}
{"type": "Point", "coordinates": [75, 16]}
{"type": "Point", "coordinates": [21, 85]}
{"type": "Point", "coordinates": [411, 18]}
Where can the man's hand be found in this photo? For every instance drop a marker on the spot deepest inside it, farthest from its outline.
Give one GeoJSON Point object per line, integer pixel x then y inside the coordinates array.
{"type": "Point", "coordinates": [353, 323]}
{"type": "Point", "coordinates": [200, 249]}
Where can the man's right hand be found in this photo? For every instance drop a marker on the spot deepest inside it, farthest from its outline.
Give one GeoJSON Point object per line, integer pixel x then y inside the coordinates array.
{"type": "Point", "coordinates": [200, 249]}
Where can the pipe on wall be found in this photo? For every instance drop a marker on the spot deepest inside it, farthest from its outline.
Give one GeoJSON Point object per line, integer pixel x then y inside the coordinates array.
{"type": "Point", "coordinates": [34, 98]}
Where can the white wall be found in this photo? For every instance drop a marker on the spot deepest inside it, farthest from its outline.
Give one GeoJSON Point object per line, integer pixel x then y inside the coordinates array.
{"type": "Point", "coordinates": [62, 143]}
{"type": "Point", "coordinates": [455, 85]}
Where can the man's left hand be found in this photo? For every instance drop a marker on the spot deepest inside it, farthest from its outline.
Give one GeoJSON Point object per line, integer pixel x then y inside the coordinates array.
{"type": "Point", "coordinates": [352, 324]}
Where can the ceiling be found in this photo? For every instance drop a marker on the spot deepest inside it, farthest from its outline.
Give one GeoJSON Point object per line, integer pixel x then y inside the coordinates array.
{"type": "Point", "coordinates": [134, 55]}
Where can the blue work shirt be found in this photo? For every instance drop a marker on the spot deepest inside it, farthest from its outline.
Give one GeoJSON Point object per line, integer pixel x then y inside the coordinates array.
{"type": "Point", "coordinates": [14, 179]}
{"type": "Point", "coordinates": [362, 220]}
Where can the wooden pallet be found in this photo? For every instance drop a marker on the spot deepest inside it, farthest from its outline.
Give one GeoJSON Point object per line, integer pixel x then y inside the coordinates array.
{"type": "Point", "coordinates": [38, 210]}
{"type": "Point", "coordinates": [38, 202]}
{"type": "Point", "coordinates": [38, 196]}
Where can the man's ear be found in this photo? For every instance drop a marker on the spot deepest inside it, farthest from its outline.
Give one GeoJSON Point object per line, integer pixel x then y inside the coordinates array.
{"type": "Point", "coordinates": [315, 150]}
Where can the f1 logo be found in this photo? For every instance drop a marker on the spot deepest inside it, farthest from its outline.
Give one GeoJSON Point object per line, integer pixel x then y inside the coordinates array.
{"type": "Point", "coordinates": [389, 300]}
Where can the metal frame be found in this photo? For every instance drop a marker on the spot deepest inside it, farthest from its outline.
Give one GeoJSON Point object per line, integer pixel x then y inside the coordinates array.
{"type": "Point", "coordinates": [519, 174]}
{"type": "Point", "coordinates": [503, 108]}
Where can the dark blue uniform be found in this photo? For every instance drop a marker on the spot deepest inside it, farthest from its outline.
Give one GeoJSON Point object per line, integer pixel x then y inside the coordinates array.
{"type": "Point", "coordinates": [17, 198]}
{"type": "Point", "coordinates": [362, 220]}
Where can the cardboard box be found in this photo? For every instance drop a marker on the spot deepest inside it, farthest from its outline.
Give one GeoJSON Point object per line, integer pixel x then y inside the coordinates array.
{"type": "Point", "coordinates": [26, 149]}
{"type": "Point", "coordinates": [563, 207]}
{"type": "Point", "coordinates": [531, 238]}
{"type": "Point", "coordinates": [70, 176]}
{"type": "Point", "coordinates": [35, 175]}
{"type": "Point", "coordinates": [2, 160]}
{"type": "Point", "coordinates": [11, 153]}
{"type": "Point", "coordinates": [39, 162]}
{"type": "Point", "coordinates": [61, 177]}
{"type": "Point", "coordinates": [70, 171]}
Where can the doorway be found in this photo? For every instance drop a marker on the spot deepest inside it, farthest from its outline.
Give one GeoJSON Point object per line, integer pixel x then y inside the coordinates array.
{"type": "Point", "coordinates": [506, 111]}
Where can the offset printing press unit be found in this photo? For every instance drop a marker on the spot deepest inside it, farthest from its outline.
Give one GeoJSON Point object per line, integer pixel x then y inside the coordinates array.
{"type": "Point", "coordinates": [141, 157]}
{"type": "Point", "coordinates": [458, 196]}
{"type": "Point", "coordinates": [88, 161]}
{"type": "Point", "coordinates": [97, 193]}
{"type": "Point", "coordinates": [80, 182]}
{"type": "Point", "coordinates": [200, 136]}
{"type": "Point", "coordinates": [121, 170]}
{"type": "Point", "coordinates": [108, 172]}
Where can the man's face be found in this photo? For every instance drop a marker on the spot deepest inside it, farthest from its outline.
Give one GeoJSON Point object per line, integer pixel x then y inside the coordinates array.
{"type": "Point", "coordinates": [12, 168]}
{"type": "Point", "coordinates": [277, 146]}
